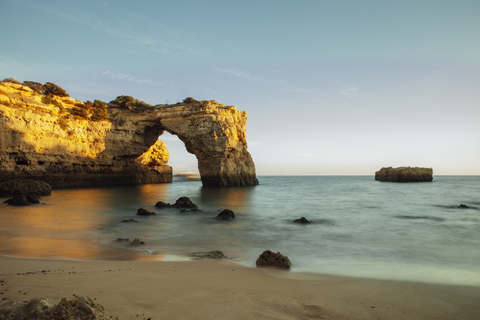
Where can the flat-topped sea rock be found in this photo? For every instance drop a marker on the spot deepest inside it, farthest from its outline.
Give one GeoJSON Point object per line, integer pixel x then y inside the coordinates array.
{"type": "Point", "coordinates": [404, 174]}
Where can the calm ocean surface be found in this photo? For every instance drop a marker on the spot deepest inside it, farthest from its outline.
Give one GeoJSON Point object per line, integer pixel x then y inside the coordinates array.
{"type": "Point", "coordinates": [364, 228]}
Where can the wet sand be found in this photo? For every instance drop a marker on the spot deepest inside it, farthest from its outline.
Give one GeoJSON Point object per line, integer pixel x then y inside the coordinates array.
{"type": "Point", "coordinates": [206, 289]}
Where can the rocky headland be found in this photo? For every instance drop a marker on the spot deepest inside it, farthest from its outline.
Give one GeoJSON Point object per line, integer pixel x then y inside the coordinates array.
{"type": "Point", "coordinates": [47, 135]}
{"type": "Point", "coordinates": [404, 174]}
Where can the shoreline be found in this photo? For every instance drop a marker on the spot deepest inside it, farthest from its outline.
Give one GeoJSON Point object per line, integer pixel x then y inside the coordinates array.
{"type": "Point", "coordinates": [205, 289]}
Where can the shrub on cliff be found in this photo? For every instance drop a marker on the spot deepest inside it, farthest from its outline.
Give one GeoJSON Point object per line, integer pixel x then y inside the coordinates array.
{"type": "Point", "coordinates": [122, 102]}
{"type": "Point", "coordinates": [95, 111]}
{"type": "Point", "coordinates": [130, 103]}
{"type": "Point", "coordinates": [11, 80]}
{"type": "Point", "coordinates": [35, 86]}
{"type": "Point", "coordinates": [51, 100]}
{"type": "Point", "coordinates": [52, 89]}
{"type": "Point", "coordinates": [189, 100]}
{"type": "Point", "coordinates": [99, 111]}
{"type": "Point", "coordinates": [81, 112]}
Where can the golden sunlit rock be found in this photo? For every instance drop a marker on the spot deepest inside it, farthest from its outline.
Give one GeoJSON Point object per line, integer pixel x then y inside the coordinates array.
{"type": "Point", "coordinates": [67, 142]}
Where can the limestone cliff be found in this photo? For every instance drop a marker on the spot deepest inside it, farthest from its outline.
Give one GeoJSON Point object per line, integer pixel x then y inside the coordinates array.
{"type": "Point", "coordinates": [404, 174]}
{"type": "Point", "coordinates": [45, 137]}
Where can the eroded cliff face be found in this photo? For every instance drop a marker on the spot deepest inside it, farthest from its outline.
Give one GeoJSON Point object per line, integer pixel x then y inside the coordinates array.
{"type": "Point", "coordinates": [404, 174]}
{"type": "Point", "coordinates": [41, 139]}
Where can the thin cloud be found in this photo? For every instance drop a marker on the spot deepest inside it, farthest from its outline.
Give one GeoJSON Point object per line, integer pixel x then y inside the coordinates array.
{"type": "Point", "coordinates": [121, 30]}
{"type": "Point", "coordinates": [237, 73]}
{"type": "Point", "coordinates": [130, 78]}
{"type": "Point", "coordinates": [350, 92]}
{"type": "Point", "coordinates": [297, 90]}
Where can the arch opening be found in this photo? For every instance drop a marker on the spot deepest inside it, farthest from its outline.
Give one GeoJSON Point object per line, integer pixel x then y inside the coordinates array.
{"type": "Point", "coordinates": [184, 164]}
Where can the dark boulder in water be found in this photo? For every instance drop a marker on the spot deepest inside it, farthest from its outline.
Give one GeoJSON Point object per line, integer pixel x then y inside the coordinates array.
{"type": "Point", "coordinates": [226, 214]}
{"type": "Point", "coordinates": [463, 206]}
{"type": "Point", "coordinates": [18, 200]}
{"type": "Point", "coordinates": [208, 254]}
{"type": "Point", "coordinates": [184, 202]}
{"type": "Point", "coordinates": [143, 212]}
{"type": "Point", "coordinates": [32, 199]}
{"type": "Point", "coordinates": [161, 204]}
{"type": "Point", "coordinates": [302, 220]}
{"type": "Point", "coordinates": [22, 200]}
{"type": "Point", "coordinates": [269, 258]}
{"type": "Point", "coordinates": [129, 220]}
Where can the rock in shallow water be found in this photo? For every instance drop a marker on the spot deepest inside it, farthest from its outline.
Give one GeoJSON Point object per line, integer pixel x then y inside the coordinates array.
{"type": "Point", "coordinates": [18, 200]}
{"type": "Point", "coordinates": [208, 254]}
{"type": "Point", "coordinates": [302, 220]}
{"type": "Point", "coordinates": [161, 204]}
{"type": "Point", "coordinates": [136, 242]}
{"type": "Point", "coordinates": [144, 212]}
{"type": "Point", "coordinates": [226, 214]}
{"type": "Point", "coordinates": [269, 258]}
{"type": "Point", "coordinates": [184, 202]}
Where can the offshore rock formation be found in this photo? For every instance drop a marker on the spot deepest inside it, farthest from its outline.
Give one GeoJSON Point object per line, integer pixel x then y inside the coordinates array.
{"type": "Point", "coordinates": [44, 137]}
{"type": "Point", "coordinates": [404, 174]}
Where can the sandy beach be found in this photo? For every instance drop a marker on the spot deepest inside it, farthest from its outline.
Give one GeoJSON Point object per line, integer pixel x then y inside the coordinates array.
{"type": "Point", "coordinates": [207, 289]}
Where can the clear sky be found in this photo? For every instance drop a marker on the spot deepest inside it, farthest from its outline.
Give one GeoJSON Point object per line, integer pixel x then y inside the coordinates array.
{"type": "Point", "coordinates": [330, 87]}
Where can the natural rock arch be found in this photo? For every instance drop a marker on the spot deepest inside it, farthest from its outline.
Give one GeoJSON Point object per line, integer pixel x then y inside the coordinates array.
{"type": "Point", "coordinates": [42, 140]}
{"type": "Point", "coordinates": [215, 134]}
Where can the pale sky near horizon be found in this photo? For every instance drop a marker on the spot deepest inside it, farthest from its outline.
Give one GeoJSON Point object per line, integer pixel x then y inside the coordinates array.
{"type": "Point", "coordinates": [330, 87]}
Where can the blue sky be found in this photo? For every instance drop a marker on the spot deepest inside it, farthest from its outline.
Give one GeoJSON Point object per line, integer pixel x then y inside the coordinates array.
{"type": "Point", "coordinates": [330, 87]}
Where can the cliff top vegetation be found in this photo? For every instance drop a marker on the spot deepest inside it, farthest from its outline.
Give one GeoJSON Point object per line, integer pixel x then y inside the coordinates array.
{"type": "Point", "coordinates": [130, 103]}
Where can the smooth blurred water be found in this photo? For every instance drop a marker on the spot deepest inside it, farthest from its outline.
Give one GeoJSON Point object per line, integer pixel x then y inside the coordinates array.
{"type": "Point", "coordinates": [362, 227]}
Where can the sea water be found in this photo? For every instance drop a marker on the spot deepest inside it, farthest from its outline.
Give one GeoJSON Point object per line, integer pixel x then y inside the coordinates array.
{"type": "Point", "coordinates": [361, 227]}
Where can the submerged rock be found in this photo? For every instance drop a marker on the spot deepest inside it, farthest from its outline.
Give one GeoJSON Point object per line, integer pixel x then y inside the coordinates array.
{"type": "Point", "coordinates": [269, 258]}
{"type": "Point", "coordinates": [129, 220]}
{"type": "Point", "coordinates": [404, 174]}
{"type": "Point", "coordinates": [144, 212]}
{"type": "Point", "coordinates": [80, 308]}
{"type": "Point", "coordinates": [463, 206]}
{"type": "Point", "coordinates": [302, 220]}
{"type": "Point", "coordinates": [184, 202]}
{"type": "Point", "coordinates": [208, 254]}
{"type": "Point", "coordinates": [137, 242]}
{"type": "Point", "coordinates": [226, 214]}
